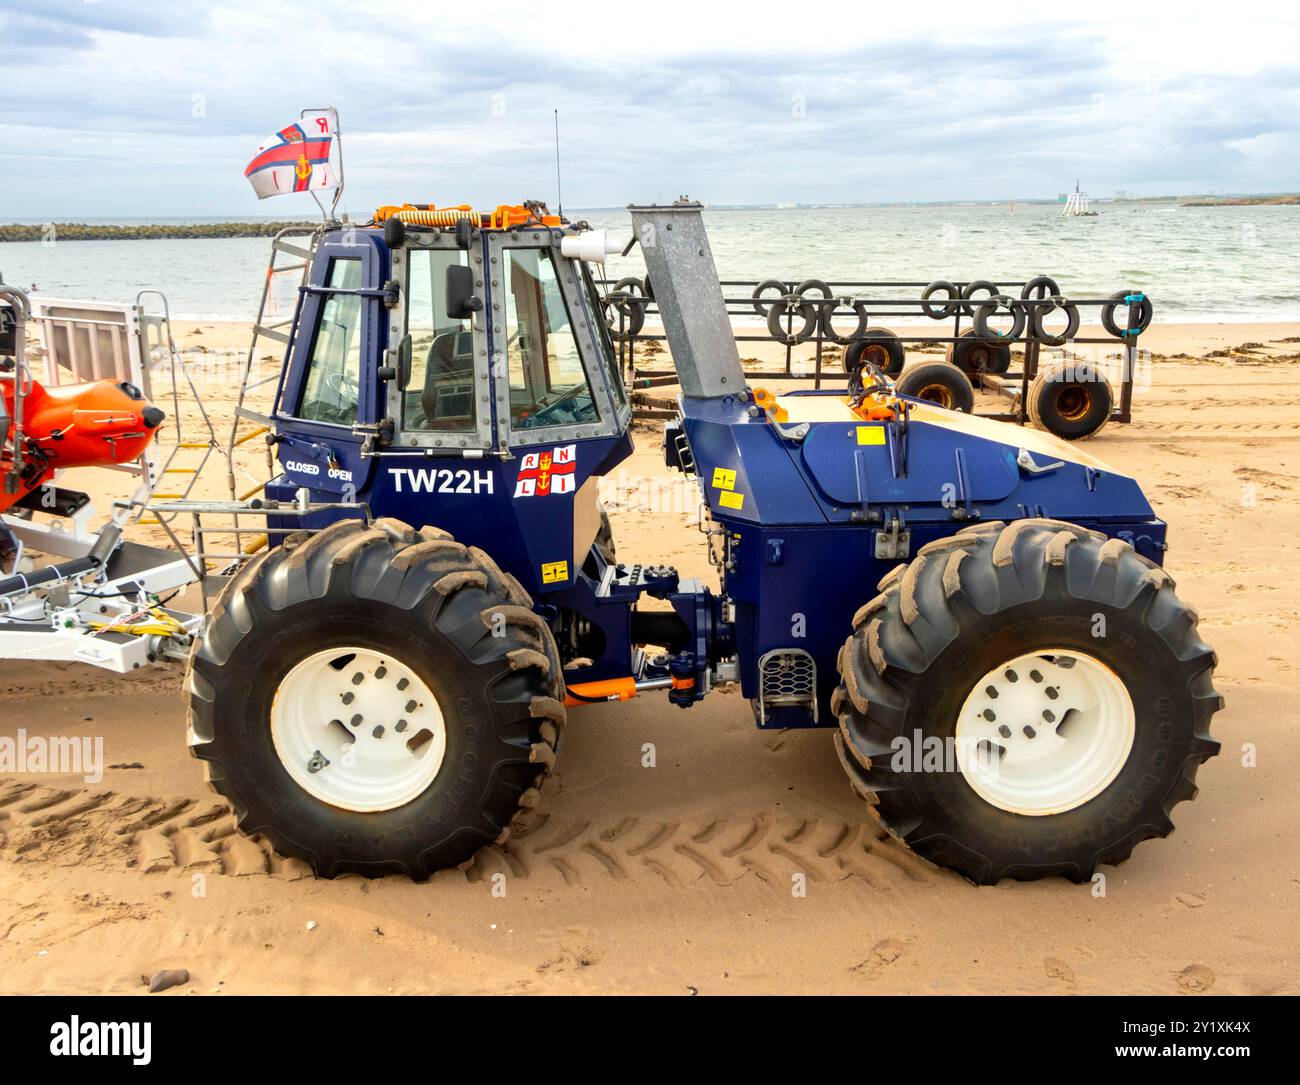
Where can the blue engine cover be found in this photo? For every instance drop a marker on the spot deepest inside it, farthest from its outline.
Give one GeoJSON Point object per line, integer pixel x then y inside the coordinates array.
{"type": "Point", "coordinates": [803, 513]}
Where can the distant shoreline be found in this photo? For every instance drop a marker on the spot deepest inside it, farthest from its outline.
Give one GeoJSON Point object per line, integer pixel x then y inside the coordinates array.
{"type": "Point", "coordinates": [236, 228]}
{"type": "Point", "coordinates": [1243, 201]}
{"type": "Point", "coordinates": [80, 231]}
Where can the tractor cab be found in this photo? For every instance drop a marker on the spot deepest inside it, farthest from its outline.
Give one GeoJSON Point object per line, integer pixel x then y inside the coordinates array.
{"type": "Point", "coordinates": [455, 368]}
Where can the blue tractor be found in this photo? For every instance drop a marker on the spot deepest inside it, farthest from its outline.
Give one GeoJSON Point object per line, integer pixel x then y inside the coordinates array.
{"type": "Point", "coordinates": [977, 610]}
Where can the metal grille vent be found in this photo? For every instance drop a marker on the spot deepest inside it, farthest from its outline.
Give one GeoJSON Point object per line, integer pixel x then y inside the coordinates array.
{"type": "Point", "coordinates": [787, 677]}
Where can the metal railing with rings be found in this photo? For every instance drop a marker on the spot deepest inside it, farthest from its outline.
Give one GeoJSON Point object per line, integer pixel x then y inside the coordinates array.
{"type": "Point", "coordinates": [841, 322]}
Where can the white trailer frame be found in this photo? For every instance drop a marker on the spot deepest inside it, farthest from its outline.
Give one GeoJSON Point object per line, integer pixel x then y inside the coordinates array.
{"type": "Point", "coordinates": [73, 617]}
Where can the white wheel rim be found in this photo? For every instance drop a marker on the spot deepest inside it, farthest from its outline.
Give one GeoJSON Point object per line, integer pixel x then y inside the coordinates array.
{"type": "Point", "coordinates": [358, 729]}
{"type": "Point", "coordinates": [1045, 732]}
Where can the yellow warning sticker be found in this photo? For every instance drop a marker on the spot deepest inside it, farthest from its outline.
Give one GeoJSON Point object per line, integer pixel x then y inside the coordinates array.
{"type": "Point", "coordinates": [724, 479]}
{"type": "Point", "coordinates": [729, 500]}
{"type": "Point", "coordinates": [871, 435]}
{"type": "Point", "coordinates": [553, 572]}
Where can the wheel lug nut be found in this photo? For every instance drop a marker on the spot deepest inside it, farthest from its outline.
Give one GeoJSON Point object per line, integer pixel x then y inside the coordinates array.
{"type": "Point", "coordinates": [381, 671]}
{"type": "Point", "coordinates": [349, 697]}
{"type": "Point", "coordinates": [401, 725]}
{"type": "Point", "coordinates": [378, 732]}
{"type": "Point", "coordinates": [358, 678]}
{"type": "Point", "coordinates": [989, 715]}
{"type": "Point", "coordinates": [1053, 692]}
{"type": "Point", "coordinates": [411, 706]}
{"type": "Point", "coordinates": [356, 720]}
{"type": "Point", "coordinates": [1049, 715]}
{"type": "Point", "coordinates": [1012, 676]}
{"type": "Point", "coordinates": [1036, 676]}
{"type": "Point", "coordinates": [1029, 731]}
{"type": "Point", "coordinates": [1004, 730]}
{"type": "Point", "coordinates": [991, 691]}
{"type": "Point", "coordinates": [402, 683]}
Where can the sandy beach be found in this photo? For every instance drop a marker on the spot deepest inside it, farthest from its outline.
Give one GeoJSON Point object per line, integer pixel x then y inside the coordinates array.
{"type": "Point", "coordinates": [676, 879]}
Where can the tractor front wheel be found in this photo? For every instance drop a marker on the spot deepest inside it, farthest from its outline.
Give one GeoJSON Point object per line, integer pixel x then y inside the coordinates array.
{"type": "Point", "coordinates": [374, 698]}
{"type": "Point", "coordinates": [1025, 700]}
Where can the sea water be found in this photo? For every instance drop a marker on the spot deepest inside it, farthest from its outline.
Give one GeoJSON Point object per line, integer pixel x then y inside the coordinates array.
{"type": "Point", "coordinates": [1197, 263]}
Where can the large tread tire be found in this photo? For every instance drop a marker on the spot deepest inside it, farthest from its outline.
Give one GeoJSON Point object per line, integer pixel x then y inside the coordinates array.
{"type": "Point", "coordinates": [964, 605]}
{"type": "Point", "coordinates": [434, 604]}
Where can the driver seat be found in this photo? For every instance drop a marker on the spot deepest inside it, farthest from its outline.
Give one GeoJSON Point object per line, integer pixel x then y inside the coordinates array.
{"type": "Point", "coordinates": [448, 368]}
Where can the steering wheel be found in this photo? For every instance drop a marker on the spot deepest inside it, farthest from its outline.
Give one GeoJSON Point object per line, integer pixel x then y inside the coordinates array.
{"type": "Point", "coordinates": [343, 385]}
{"type": "Point", "coordinates": [563, 398]}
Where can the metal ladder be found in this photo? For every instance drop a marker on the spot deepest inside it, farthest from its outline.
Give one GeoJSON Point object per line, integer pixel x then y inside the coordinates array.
{"type": "Point", "coordinates": [292, 250]}
{"type": "Point", "coordinates": [178, 461]}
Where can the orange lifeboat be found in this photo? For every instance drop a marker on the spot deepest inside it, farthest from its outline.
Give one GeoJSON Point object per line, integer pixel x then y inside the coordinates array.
{"type": "Point", "coordinates": [78, 425]}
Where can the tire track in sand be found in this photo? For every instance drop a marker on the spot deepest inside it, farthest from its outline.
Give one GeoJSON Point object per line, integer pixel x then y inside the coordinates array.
{"type": "Point", "coordinates": [153, 835]}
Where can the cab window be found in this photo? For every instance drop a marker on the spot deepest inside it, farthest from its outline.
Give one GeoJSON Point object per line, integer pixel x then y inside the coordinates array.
{"type": "Point", "coordinates": [440, 394]}
{"type": "Point", "coordinates": [548, 386]}
{"type": "Point", "coordinates": [333, 383]}
{"type": "Point", "coordinates": [603, 339]}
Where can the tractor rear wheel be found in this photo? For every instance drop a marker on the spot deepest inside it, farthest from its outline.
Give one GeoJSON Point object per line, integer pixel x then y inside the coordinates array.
{"type": "Point", "coordinates": [1025, 700]}
{"type": "Point", "coordinates": [374, 698]}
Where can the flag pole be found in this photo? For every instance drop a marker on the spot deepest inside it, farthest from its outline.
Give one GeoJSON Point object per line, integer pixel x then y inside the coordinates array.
{"type": "Point", "coordinates": [329, 215]}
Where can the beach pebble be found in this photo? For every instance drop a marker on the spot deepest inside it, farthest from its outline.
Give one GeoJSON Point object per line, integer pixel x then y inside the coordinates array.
{"type": "Point", "coordinates": [167, 977]}
{"type": "Point", "coordinates": [1196, 978]}
{"type": "Point", "coordinates": [311, 924]}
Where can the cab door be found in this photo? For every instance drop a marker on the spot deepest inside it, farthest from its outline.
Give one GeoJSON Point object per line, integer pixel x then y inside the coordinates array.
{"type": "Point", "coordinates": [559, 407]}
{"type": "Point", "coordinates": [329, 394]}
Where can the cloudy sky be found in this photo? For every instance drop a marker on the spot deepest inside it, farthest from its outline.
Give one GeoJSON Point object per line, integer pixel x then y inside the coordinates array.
{"type": "Point", "coordinates": [153, 107]}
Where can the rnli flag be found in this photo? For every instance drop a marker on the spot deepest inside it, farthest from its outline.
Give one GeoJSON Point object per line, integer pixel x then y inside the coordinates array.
{"type": "Point", "coordinates": [295, 159]}
{"type": "Point", "coordinates": [544, 473]}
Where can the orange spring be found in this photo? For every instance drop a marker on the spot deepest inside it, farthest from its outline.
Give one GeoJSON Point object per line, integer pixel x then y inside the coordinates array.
{"type": "Point", "coordinates": [502, 218]}
{"type": "Point", "coordinates": [447, 217]}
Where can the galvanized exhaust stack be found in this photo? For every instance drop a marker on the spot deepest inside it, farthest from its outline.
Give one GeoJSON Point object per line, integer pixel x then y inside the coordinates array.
{"type": "Point", "coordinates": [685, 284]}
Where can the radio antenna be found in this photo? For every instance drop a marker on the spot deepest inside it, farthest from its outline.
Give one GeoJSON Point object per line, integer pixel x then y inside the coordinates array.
{"type": "Point", "coordinates": [559, 193]}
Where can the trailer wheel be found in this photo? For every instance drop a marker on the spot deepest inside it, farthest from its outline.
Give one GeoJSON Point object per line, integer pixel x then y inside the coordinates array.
{"type": "Point", "coordinates": [938, 383]}
{"type": "Point", "coordinates": [1025, 700]}
{"type": "Point", "coordinates": [973, 355]}
{"type": "Point", "coordinates": [879, 346]}
{"type": "Point", "coordinates": [376, 699]}
{"type": "Point", "coordinates": [1072, 400]}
